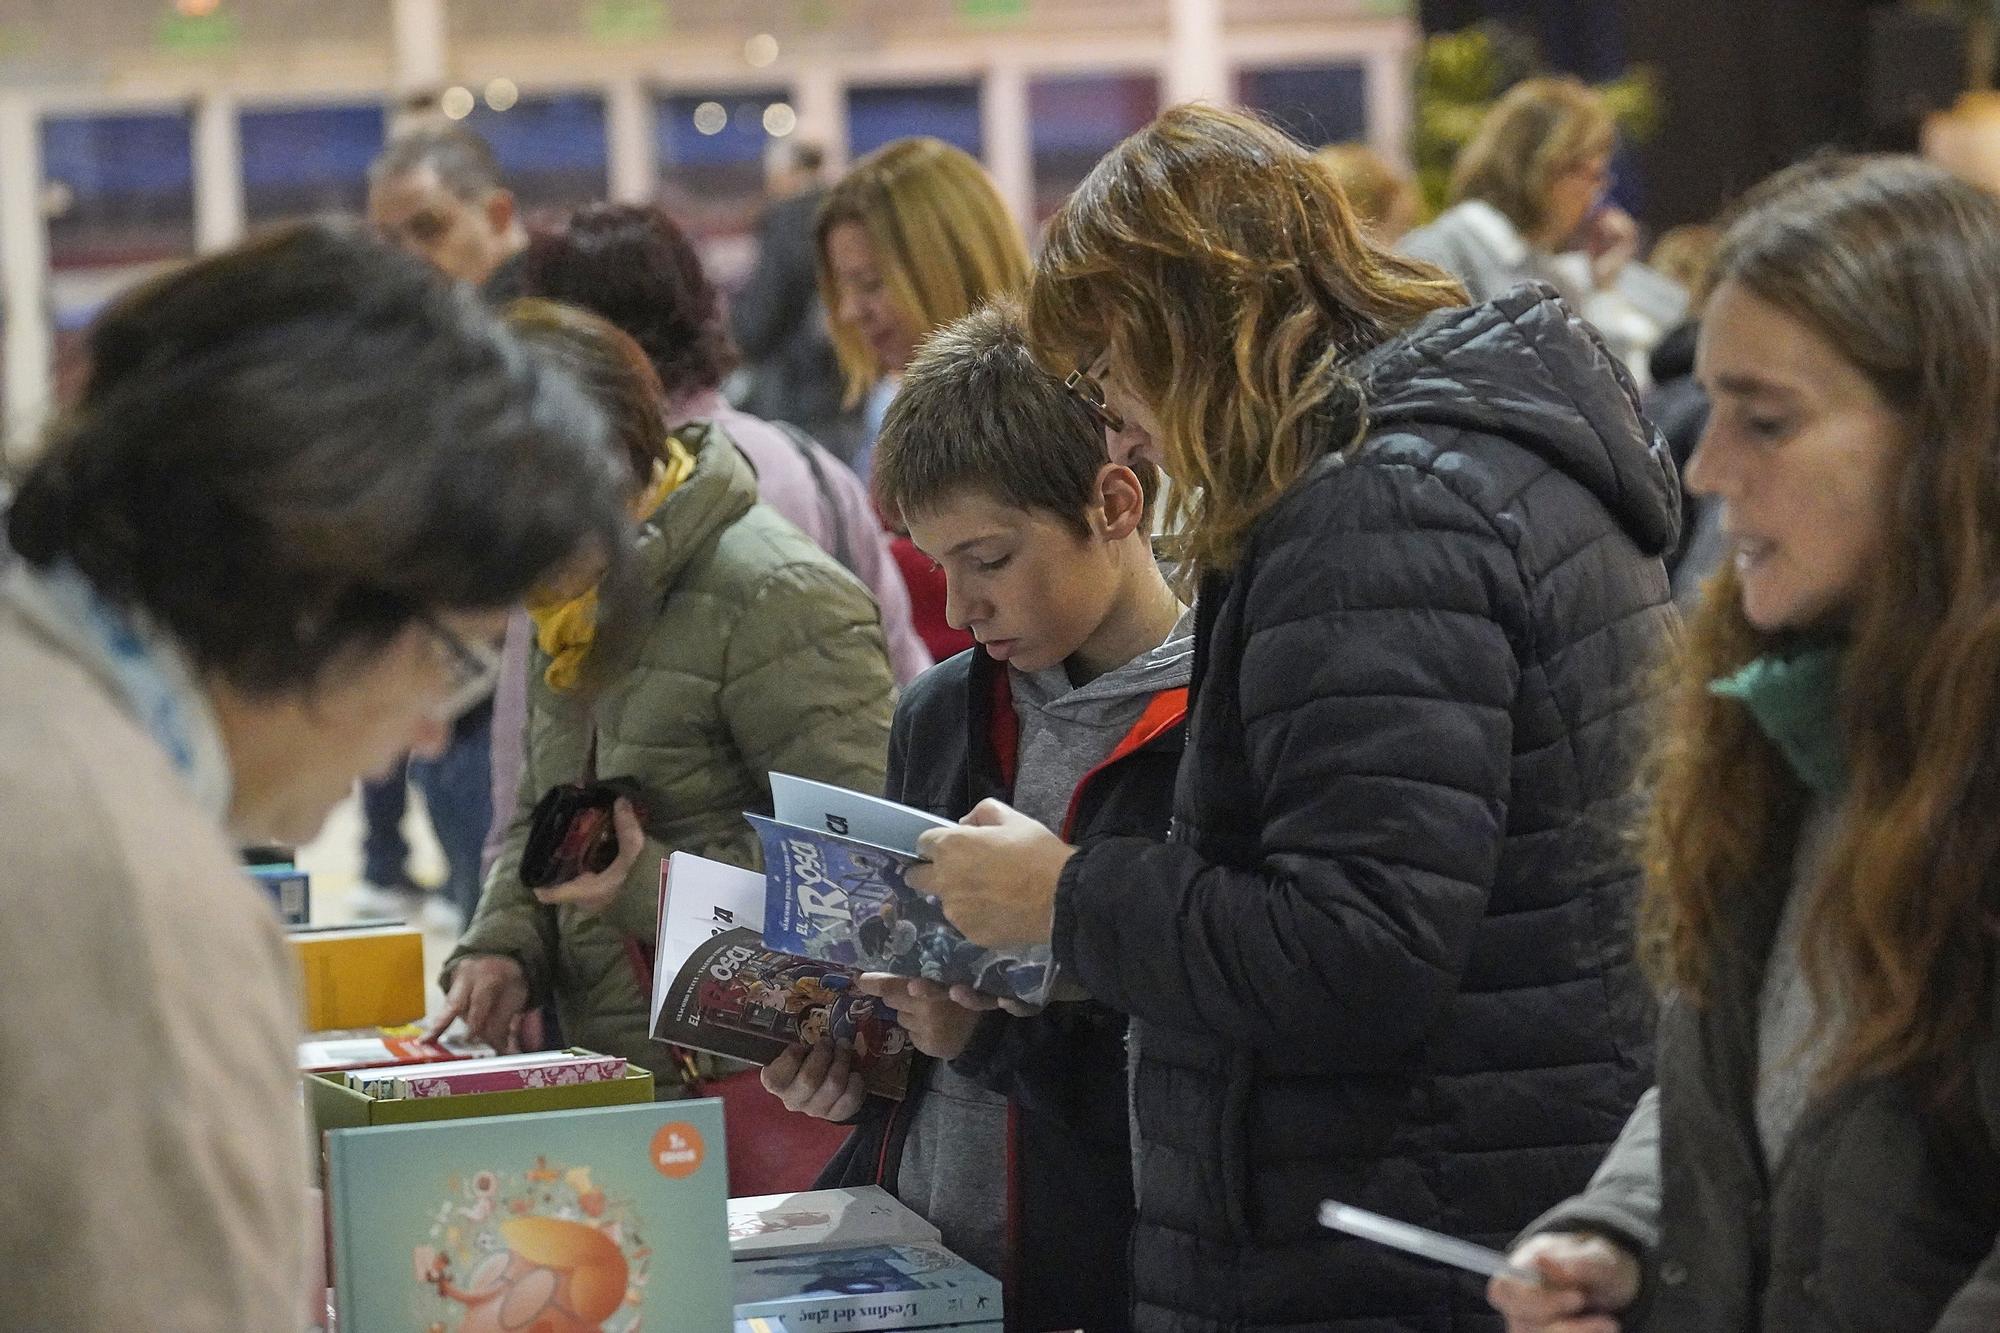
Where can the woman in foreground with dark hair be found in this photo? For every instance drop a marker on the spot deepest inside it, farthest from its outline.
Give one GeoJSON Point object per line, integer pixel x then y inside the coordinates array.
{"type": "Point", "coordinates": [1822, 852]}
{"type": "Point", "coordinates": [266, 553]}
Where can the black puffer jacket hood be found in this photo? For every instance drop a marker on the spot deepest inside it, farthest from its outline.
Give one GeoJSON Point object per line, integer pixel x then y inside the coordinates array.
{"type": "Point", "coordinates": [1524, 369]}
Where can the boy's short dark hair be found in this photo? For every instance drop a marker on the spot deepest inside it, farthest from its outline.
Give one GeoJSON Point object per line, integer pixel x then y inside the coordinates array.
{"type": "Point", "coordinates": [975, 413]}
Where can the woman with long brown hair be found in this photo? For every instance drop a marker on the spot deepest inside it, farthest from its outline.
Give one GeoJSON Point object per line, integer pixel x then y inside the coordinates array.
{"type": "Point", "coordinates": [1822, 854]}
{"type": "Point", "coordinates": [1385, 955]}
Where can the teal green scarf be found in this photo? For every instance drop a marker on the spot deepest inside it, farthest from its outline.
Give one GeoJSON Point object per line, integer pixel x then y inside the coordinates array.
{"type": "Point", "coordinates": [1795, 700]}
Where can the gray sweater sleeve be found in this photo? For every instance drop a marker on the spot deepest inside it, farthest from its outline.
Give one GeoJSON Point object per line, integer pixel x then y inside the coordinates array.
{"type": "Point", "coordinates": [1622, 1200]}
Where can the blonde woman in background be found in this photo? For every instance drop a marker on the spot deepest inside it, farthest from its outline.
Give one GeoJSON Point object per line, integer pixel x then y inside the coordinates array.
{"type": "Point", "coordinates": [1384, 200]}
{"type": "Point", "coordinates": [1528, 205]}
{"type": "Point", "coordinates": [913, 237]}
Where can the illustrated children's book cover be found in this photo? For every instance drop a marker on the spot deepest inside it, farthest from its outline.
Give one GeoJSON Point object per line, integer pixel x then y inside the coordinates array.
{"type": "Point", "coordinates": [771, 1226]}
{"type": "Point", "coordinates": [835, 862]}
{"type": "Point", "coordinates": [717, 988]}
{"type": "Point", "coordinates": [609, 1220]}
{"type": "Point", "coordinates": [870, 1287]}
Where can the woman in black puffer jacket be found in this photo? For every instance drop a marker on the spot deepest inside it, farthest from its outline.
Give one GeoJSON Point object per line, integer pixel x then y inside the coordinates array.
{"type": "Point", "coordinates": [1385, 955]}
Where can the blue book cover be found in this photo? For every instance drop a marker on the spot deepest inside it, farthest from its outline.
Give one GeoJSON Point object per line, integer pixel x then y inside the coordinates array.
{"type": "Point", "coordinates": [609, 1220]}
{"type": "Point", "coordinates": [871, 1287]}
{"type": "Point", "coordinates": [863, 844]}
{"type": "Point", "coordinates": [838, 900]}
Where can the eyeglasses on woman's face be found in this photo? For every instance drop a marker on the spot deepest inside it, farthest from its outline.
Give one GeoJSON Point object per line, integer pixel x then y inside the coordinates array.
{"type": "Point", "coordinates": [1086, 389]}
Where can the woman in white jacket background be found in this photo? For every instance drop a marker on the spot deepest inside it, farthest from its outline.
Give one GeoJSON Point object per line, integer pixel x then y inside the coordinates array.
{"type": "Point", "coordinates": [1529, 205]}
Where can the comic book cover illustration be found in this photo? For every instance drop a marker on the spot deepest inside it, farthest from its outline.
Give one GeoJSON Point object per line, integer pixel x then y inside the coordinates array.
{"type": "Point", "coordinates": [843, 901]}
{"type": "Point", "coordinates": [736, 997]}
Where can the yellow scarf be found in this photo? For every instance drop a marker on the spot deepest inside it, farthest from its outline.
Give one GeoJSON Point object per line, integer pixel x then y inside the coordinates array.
{"type": "Point", "coordinates": [566, 629]}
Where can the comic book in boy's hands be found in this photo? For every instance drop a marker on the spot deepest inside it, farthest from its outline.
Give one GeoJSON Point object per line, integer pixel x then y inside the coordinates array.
{"type": "Point", "coordinates": [835, 862]}
{"type": "Point", "coordinates": [718, 988]}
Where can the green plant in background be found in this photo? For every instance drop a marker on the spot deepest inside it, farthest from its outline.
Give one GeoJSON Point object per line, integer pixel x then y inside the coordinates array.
{"type": "Point", "coordinates": [1460, 75]}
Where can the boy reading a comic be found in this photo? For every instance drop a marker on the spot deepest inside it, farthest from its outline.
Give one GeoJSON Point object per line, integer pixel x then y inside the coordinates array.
{"type": "Point", "coordinates": [1013, 1140]}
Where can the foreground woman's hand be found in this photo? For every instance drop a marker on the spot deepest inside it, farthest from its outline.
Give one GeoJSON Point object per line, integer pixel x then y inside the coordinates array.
{"type": "Point", "coordinates": [820, 1081]}
{"type": "Point", "coordinates": [996, 874]}
{"type": "Point", "coordinates": [1586, 1281]}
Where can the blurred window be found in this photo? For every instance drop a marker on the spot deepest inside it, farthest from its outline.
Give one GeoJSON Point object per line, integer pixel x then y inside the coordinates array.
{"type": "Point", "coordinates": [118, 190]}
{"type": "Point", "coordinates": [1075, 120]}
{"type": "Point", "coordinates": [307, 161]}
{"type": "Point", "coordinates": [711, 148]}
{"type": "Point", "coordinates": [1315, 104]}
{"type": "Point", "coordinates": [947, 111]}
{"type": "Point", "coordinates": [552, 149]}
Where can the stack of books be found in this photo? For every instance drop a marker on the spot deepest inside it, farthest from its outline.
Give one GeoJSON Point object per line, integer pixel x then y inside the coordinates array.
{"type": "Point", "coordinates": [423, 1087]}
{"type": "Point", "coordinates": [851, 1259]}
{"type": "Point", "coordinates": [336, 1052]}
{"type": "Point", "coordinates": [492, 1073]}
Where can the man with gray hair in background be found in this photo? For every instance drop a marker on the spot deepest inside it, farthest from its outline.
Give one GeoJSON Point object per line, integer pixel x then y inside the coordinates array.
{"type": "Point", "coordinates": [435, 191]}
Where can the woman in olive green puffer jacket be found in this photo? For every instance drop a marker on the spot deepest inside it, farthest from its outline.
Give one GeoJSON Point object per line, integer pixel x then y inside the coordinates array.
{"type": "Point", "coordinates": [762, 654]}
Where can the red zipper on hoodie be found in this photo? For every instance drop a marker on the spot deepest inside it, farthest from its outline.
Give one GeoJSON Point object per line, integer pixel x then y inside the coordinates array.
{"type": "Point", "coordinates": [1163, 712]}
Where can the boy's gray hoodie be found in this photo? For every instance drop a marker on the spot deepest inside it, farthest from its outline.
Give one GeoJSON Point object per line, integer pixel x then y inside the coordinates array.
{"type": "Point", "coordinates": [954, 1162]}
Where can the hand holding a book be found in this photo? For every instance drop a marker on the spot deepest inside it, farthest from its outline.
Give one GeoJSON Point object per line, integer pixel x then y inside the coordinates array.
{"type": "Point", "coordinates": [938, 1024]}
{"type": "Point", "coordinates": [1586, 1281]}
{"type": "Point", "coordinates": [996, 875]}
{"type": "Point", "coordinates": [594, 892]}
{"type": "Point", "coordinates": [819, 1080]}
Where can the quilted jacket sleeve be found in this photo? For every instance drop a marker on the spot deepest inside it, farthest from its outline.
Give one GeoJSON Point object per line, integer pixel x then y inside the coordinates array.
{"type": "Point", "coordinates": [807, 688]}
{"type": "Point", "coordinates": [1374, 676]}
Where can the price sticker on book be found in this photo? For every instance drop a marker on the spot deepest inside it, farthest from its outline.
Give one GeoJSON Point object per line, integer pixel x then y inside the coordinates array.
{"type": "Point", "coordinates": [678, 1150]}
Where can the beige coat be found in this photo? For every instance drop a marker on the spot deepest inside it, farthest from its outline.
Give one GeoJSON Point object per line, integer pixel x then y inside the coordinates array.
{"type": "Point", "coordinates": [152, 1151]}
